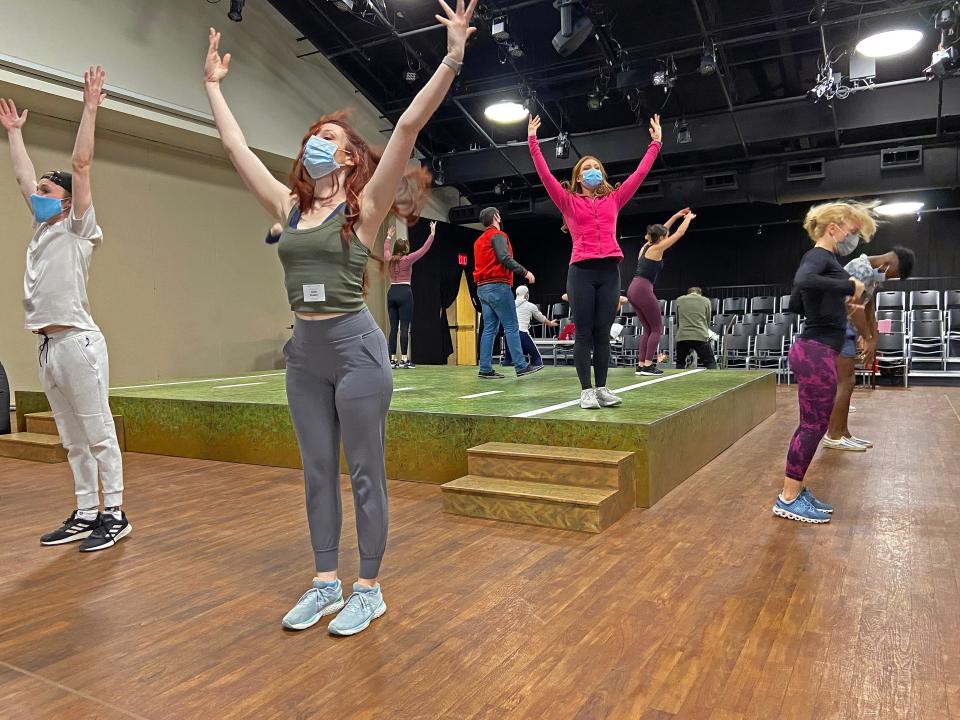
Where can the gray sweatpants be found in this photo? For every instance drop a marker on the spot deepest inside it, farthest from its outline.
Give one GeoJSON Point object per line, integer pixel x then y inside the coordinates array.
{"type": "Point", "coordinates": [339, 386]}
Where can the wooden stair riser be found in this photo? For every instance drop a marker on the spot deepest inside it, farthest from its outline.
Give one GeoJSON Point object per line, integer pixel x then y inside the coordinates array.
{"type": "Point", "coordinates": [545, 470]}
{"type": "Point", "coordinates": [44, 424]}
{"type": "Point", "coordinates": [531, 512]}
{"type": "Point", "coordinates": [13, 447]}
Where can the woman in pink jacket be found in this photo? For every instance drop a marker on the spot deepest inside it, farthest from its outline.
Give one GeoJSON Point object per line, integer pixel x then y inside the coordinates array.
{"type": "Point", "coordinates": [590, 205]}
{"type": "Point", "coordinates": [400, 262]}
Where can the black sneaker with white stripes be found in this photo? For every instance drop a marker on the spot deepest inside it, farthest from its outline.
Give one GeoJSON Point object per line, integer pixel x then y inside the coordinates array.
{"type": "Point", "coordinates": [73, 528]}
{"type": "Point", "coordinates": [109, 532]}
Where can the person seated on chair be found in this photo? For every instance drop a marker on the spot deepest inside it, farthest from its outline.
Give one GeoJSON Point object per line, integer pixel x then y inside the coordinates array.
{"type": "Point", "coordinates": [693, 330]}
{"type": "Point", "coordinates": [527, 311]}
{"type": "Point", "coordinates": [861, 338]}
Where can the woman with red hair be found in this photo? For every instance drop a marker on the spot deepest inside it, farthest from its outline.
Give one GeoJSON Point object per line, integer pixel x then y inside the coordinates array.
{"type": "Point", "coordinates": [338, 376]}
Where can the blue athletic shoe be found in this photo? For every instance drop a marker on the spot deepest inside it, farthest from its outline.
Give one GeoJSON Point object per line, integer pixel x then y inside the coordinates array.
{"type": "Point", "coordinates": [363, 606]}
{"type": "Point", "coordinates": [800, 509]}
{"type": "Point", "coordinates": [324, 598]}
{"type": "Point", "coordinates": [818, 504]}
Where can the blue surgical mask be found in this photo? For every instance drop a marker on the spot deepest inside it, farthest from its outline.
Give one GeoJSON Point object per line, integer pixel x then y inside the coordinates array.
{"type": "Point", "coordinates": [319, 157]}
{"type": "Point", "coordinates": [848, 244]}
{"type": "Point", "coordinates": [592, 178]}
{"type": "Point", "coordinates": [45, 207]}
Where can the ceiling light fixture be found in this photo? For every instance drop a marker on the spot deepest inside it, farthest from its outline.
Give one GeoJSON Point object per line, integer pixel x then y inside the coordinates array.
{"type": "Point", "coordinates": [506, 112]}
{"type": "Point", "coordinates": [899, 208]}
{"type": "Point", "coordinates": [889, 43]}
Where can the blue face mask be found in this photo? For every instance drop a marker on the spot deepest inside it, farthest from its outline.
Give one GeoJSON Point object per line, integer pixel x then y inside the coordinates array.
{"type": "Point", "coordinates": [592, 178]}
{"type": "Point", "coordinates": [319, 157]}
{"type": "Point", "coordinates": [45, 207]}
{"type": "Point", "coordinates": [848, 244]}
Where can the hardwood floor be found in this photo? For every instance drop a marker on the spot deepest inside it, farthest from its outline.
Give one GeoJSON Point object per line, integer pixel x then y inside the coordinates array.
{"type": "Point", "coordinates": [704, 607]}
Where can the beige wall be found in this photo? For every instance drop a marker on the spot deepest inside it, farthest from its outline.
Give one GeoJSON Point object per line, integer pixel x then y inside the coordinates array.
{"type": "Point", "coordinates": [183, 285]}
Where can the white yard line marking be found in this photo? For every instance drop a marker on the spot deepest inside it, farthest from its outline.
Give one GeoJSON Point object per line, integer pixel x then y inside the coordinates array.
{"type": "Point", "coordinates": [221, 387]}
{"type": "Point", "coordinates": [403, 389]}
{"type": "Point", "coordinates": [192, 382]}
{"type": "Point", "coordinates": [571, 403]}
{"type": "Point", "coordinates": [950, 403]}
{"type": "Point", "coordinates": [470, 397]}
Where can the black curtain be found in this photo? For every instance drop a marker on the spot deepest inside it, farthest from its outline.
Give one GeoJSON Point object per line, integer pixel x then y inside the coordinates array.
{"type": "Point", "coordinates": [436, 282]}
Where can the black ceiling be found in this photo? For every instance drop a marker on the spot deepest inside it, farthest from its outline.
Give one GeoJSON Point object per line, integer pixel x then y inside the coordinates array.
{"type": "Point", "coordinates": [754, 109]}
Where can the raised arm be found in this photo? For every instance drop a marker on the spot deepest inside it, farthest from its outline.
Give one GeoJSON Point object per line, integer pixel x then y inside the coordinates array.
{"type": "Point", "coordinates": [629, 186]}
{"type": "Point", "coordinates": [380, 191]}
{"type": "Point", "coordinates": [272, 194]}
{"type": "Point", "coordinates": [672, 239]}
{"type": "Point", "coordinates": [670, 223]}
{"type": "Point", "coordinates": [414, 256]}
{"type": "Point", "coordinates": [388, 243]}
{"type": "Point", "coordinates": [22, 166]}
{"type": "Point", "coordinates": [560, 197]}
{"type": "Point", "coordinates": [93, 96]}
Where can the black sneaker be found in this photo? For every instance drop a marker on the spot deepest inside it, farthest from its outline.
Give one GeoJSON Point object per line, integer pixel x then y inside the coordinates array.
{"type": "Point", "coordinates": [529, 370]}
{"type": "Point", "coordinates": [492, 375]}
{"type": "Point", "coordinates": [650, 370]}
{"type": "Point", "coordinates": [394, 364]}
{"type": "Point", "coordinates": [73, 528]}
{"type": "Point", "coordinates": [107, 533]}
{"type": "Point", "coordinates": [408, 365]}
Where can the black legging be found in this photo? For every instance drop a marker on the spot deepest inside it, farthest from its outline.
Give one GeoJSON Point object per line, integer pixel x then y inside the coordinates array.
{"type": "Point", "coordinates": [593, 287]}
{"type": "Point", "coordinates": [400, 309]}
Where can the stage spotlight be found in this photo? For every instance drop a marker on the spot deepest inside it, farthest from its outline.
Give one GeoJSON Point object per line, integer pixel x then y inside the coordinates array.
{"type": "Point", "coordinates": [236, 10]}
{"type": "Point", "coordinates": [506, 112]}
{"type": "Point", "coordinates": [572, 34]}
{"type": "Point", "coordinates": [593, 100]}
{"type": "Point", "coordinates": [683, 133]}
{"type": "Point", "coordinates": [515, 50]}
{"type": "Point", "coordinates": [892, 42]}
{"type": "Point", "coordinates": [899, 208]}
{"type": "Point", "coordinates": [498, 29]}
{"type": "Point", "coordinates": [410, 76]}
{"type": "Point", "coordinates": [563, 146]}
{"type": "Point", "coordinates": [498, 188]}
{"type": "Point", "coordinates": [708, 63]}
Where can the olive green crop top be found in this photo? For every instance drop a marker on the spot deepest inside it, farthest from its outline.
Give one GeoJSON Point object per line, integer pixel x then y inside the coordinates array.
{"type": "Point", "coordinates": [320, 274]}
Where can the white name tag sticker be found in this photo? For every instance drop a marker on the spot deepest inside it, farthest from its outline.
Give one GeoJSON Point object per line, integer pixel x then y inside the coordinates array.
{"type": "Point", "coordinates": [314, 293]}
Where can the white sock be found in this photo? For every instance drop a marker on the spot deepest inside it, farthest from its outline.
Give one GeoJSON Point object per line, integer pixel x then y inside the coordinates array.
{"type": "Point", "coordinates": [88, 514]}
{"type": "Point", "coordinates": [115, 512]}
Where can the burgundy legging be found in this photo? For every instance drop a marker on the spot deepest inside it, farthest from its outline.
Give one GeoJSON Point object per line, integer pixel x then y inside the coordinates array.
{"type": "Point", "coordinates": [641, 297]}
{"type": "Point", "coordinates": [815, 367]}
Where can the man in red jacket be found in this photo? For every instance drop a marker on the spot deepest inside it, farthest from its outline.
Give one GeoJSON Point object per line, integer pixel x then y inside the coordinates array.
{"type": "Point", "coordinates": [494, 268]}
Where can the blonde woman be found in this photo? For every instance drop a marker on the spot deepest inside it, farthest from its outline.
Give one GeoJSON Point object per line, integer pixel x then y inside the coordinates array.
{"type": "Point", "coordinates": [822, 290]}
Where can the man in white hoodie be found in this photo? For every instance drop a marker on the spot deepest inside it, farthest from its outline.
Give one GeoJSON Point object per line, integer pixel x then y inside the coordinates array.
{"type": "Point", "coordinates": [526, 313]}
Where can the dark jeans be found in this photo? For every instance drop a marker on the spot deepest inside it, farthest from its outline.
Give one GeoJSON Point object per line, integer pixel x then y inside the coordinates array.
{"type": "Point", "coordinates": [593, 287]}
{"type": "Point", "coordinates": [704, 350]}
{"type": "Point", "coordinates": [499, 307]}
{"type": "Point", "coordinates": [400, 309]}
{"type": "Point", "coordinates": [529, 349]}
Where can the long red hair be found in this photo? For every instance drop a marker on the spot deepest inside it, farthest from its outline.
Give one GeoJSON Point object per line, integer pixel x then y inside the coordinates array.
{"type": "Point", "coordinates": [408, 201]}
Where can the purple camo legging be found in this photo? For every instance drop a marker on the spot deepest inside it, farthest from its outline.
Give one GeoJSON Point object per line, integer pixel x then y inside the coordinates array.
{"type": "Point", "coordinates": [815, 367]}
{"type": "Point", "coordinates": [644, 301]}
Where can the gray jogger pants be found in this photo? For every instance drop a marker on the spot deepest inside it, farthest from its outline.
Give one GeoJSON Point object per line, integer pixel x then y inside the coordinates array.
{"type": "Point", "coordinates": [339, 385]}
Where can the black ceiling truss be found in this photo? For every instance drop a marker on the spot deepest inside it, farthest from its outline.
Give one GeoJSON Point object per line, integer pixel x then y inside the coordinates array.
{"type": "Point", "coordinates": [766, 52]}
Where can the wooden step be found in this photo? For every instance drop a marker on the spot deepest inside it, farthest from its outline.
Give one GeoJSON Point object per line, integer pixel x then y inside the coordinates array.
{"type": "Point", "coordinates": [33, 446]}
{"type": "Point", "coordinates": [43, 423]}
{"type": "Point", "coordinates": [534, 503]}
{"type": "Point", "coordinates": [581, 467]}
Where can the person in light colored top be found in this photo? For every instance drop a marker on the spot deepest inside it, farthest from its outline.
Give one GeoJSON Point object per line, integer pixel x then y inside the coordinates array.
{"type": "Point", "coordinates": [526, 313]}
{"type": "Point", "coordinates": [862, 330]}
{"type": "Point", "coordinates": [400, 262]}
{"type": "Point", "coordinates": [74, 366]}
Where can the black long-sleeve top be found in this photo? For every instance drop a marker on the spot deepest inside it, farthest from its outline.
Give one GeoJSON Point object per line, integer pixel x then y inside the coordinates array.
{"type": "Point", "coordinates": [503, 255]}
{"type": "Point", "coordinates": [820, 289]}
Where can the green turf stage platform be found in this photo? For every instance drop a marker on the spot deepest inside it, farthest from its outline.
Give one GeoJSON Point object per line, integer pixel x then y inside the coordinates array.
{"type": "Point", "coordinates": [675, 423]}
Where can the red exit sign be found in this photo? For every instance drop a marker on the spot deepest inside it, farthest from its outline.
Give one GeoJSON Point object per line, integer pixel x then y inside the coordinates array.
{"type": "Point", "coordinates": [462, 259]}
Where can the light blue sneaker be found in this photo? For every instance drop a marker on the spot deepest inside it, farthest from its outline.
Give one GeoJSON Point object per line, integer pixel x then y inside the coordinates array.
{"type": "Point", "coordinates": [324, 598]}
{"type": "Point", "coordinates": [800, 509]}
{"type": "Point", "coordinates": [818, 504]}
{"type": "Point", "coordinates": [364, 605]}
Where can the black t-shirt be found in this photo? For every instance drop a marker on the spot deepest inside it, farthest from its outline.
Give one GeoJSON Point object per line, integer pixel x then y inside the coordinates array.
{"type": "Point", "coordinates": [820, 288]}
